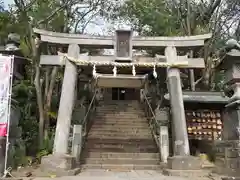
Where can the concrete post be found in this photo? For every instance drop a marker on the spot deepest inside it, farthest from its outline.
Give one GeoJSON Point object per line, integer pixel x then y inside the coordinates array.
{"type": "Point", "coordinates": [77, 142]}
{"type": "Point", "coordinates": [66, 103]}
{"type": "Point", "coordinates": [181, 144]}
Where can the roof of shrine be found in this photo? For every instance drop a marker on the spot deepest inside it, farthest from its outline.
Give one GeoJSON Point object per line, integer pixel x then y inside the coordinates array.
{"type": "Point", "coordinates": [203, 97]}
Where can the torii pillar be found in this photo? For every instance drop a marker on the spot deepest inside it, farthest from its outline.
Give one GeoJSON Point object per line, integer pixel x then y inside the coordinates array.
{"type": "Point", "coordinates": [181, 159]}
{"type": "Point", "coordinates": [61, 162]}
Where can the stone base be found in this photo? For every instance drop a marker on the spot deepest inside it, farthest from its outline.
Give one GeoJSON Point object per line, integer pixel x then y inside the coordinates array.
{"type": "Point", "coordinates": [186, 173]}
{"type": "Point", "coordinates": [59, 165]}
{"type": "Point", "coordinates": [184, 163]}
{"type": "Point", "coordinates": [231, 178]}
{"type": "Point", "coordinates": [227, 166]}
{"type": "Point", "coordinates": [226, 171]}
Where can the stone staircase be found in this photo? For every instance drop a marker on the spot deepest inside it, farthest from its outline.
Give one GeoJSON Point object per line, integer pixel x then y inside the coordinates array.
{"type": "Point", "coordinates": [120, 139]}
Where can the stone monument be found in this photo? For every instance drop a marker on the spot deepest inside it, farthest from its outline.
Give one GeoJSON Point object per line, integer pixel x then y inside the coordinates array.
{"type": "Point", "coordinates": [228, 150]}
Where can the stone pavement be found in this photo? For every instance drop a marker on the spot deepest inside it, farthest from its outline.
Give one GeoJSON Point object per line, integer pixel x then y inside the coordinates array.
{"type": "Point", "coordinates": [133, 175]}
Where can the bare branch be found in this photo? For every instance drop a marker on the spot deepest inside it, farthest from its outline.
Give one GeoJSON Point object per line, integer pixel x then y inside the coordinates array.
{"type": "Point", "coordinates": [92, 8]}
{"type": "Point", "coordinates": [83, 16]}
{"type": "Point", "coordinates": [89, 20]}
{"type": "Point", "coordinates": [56, 11]}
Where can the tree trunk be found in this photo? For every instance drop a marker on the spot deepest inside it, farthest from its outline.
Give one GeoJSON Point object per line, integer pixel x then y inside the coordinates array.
{"type": "Point", "coordinates": [38, 87]}
{"type": "Point", "coordinates": [49, 100]}
{"type": "Point", "coordinates": [37, 82]}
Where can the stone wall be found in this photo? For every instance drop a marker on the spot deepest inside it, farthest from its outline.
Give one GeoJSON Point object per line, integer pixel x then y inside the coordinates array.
{"type": "Point", "coordinates": [227, 158]}
{"type": "Point", "coordinates": [228, 150]}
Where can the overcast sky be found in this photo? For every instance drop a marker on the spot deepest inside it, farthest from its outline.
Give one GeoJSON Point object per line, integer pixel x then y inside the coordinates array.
{"type": "Point", "coordinates": [7, 2]}
{"type": "Point", "coordinates": [100, 26]}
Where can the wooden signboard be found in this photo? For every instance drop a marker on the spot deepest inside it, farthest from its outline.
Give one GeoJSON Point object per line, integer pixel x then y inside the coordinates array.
{"type": "Point", "coordinates": [204, 124]}
{"type": "Point", "coordinates": [123, 45]}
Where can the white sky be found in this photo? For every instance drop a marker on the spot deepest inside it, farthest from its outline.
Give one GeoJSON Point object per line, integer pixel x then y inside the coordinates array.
{"type": "Point", "coordinates": [7, 2]}
{"type": "Point", "coordinates": [101, 27]}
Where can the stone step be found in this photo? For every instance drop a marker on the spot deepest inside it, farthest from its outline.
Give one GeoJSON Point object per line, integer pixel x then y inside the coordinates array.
{"type": "Point", "coordinates": [120, 109]}
{"type": "Point", "coordinates": [120, 130]}
{"type": "Point", "coordinates": [120, 123]}
{"type": "Point", "coordinates": [118, 104]}
{"type": "Point", "coordinates": [118, 136]}
{"type": "Point", "coordinates": [114, 155]}
{"type": "Point", "coordinates": [187, 173]}
{"type": "Point", "coordinates": [125, 137]}
{"type": "Point", "coordinates": [122, 167]}
{"type": "Point", "coordinates": [107, 121]}
{"type": "Point", "coordinates": [121, 161]}
{"type": "Point", "coordinates": [122, 150]}
{"type": "Point", "coordinates": [119, 116]}
{"type": "Point", "coordinates": [119, 146]}
{"type": "Point", "coordinates": [121, 141]}
{"type": "Point", "coordinates": [118, 126]}
{"type": "Point", "coordinates": [125, 133]}
{"type": "Point", "coordinates": [120, 119]}
{"type": "Point", "coordinates": [112, 136]}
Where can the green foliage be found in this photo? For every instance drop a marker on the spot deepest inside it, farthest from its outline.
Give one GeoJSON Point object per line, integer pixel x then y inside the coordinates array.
{"type": "Point", "coordinates": [47, 147]}
{"type": "Point", "coordinates": [150, 17]}
{"type": "Point", "coordinates": [7, 24]}
{"type": "Point", "coordinates": [18, 152]}
{"type": "Point", "coordinates": [23, 91]}
{"type": "Point", "coordinates": [42, 9]}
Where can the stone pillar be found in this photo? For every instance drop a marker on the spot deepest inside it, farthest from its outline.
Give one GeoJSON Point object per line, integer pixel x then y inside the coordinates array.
{"type": "Point", "coordinates": [60, 161]}
{"type": "Point", "coordinates": [181, 144]}
{"type": "Point", "coordinates": [228, 150]}
{"type": "Point", "coordinates": [162, 116]}
{"type": "Point", "coordinates": [77, 142]}
{"type": "Point", "coordinates": [66, 103]}
{"type": "Point", "coordinates": [181, 159]}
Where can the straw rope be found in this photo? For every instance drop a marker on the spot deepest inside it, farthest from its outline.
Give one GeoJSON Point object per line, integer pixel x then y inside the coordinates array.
{"type": "Point", "coordinates": [116, 64]}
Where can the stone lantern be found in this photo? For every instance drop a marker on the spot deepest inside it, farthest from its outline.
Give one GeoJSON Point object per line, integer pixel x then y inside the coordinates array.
{"type": "Point", "coordinates": [12, 47]}
{"type": "Point", "coordinates": [13, 42]}
{"type": "Point", "coordinates": [228, 151]}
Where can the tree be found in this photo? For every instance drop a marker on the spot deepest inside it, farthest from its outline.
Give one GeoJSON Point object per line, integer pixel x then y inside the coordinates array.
{"type": "Point", "coordinates": [184, 17]}
{"type": "Point", "coordinates": [51, 15]}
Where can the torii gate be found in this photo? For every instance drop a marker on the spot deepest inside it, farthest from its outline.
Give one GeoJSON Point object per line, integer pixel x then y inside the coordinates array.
{"type": "Point", "coordinates": [123, 43]}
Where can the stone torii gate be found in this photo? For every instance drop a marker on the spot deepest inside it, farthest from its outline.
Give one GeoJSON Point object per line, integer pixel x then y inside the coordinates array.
{"type": "Point", "coordinates": [123, 43]}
